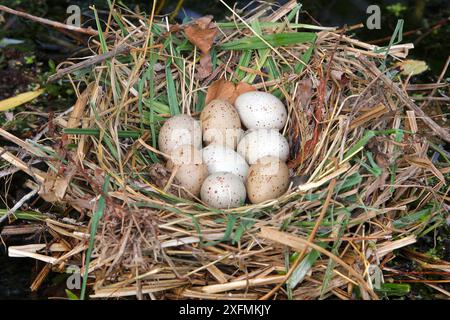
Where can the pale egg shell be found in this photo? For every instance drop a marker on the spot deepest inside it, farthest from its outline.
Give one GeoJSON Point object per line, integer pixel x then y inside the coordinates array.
{"type": "Point", "coordinates": [263, 142]}
{"type": "Point", "coordinates": [179, 130]}
{"type": "Point", "coordinates": [191, 171]}
{"type": "Point", "coordinates": [221, 124]}
{"type": "Point", "coordinates": [222, 159]}
{"type": "Point", "coordinates": [267, 179]}
{"type": "Point", "coordinates": [223, 190]}
{"type": "Point", "coordinates": [261, 110]}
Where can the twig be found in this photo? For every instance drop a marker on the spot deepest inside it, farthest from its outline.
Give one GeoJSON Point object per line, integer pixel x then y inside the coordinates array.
{"type": "Point", "coordinates": [54, 24]}
{"type": "Point", "coordinates": [407, 33]}
{"type": "Point", "coordinates": [441, 132]}
{"type": "Point", "coordinates": [94, 60]}
{"type": "Point", "coordinates": [19, 203]}
{"type": "Point", "coordinates": [441, 76]}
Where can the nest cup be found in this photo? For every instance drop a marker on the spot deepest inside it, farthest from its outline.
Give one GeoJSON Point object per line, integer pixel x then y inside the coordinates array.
{"type": "Point", "coordinates": [351, 134]}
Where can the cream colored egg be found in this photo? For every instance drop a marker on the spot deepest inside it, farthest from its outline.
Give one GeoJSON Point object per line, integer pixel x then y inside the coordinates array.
{"type": "Point", "coordinates": [267, 179]}
{"type": "Point", "coordinates": [179, 130]}
{"type": "Point", "coordinates": [261, 110]}
{"type": "Point", "coordinates": [221, 124]}
{"type": "Point", "coordinates": [222, 159]}
{"type": "Point", "coordinates": [263, 142]}
{"type": "Point", "coordinates": [189, 166]}
{"type": "Point", "coordinates": [223, 190]}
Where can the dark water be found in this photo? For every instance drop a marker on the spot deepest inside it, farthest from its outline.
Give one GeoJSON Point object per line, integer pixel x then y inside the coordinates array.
{"type": "Point", "coordinates": [432, 46]}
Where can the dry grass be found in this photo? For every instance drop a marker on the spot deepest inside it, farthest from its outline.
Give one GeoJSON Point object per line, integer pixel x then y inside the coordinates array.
{"type": "Point", "coordinates": [363, 183]}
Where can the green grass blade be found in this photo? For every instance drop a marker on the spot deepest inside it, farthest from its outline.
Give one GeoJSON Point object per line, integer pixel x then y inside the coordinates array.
{"type": "Point", "coordinates": [293, 12]}
{"type": "Point", "coordinates": [275, 40]}
{"type": "Point", "coordinates": [100, 32]}
{"type": "Point", "coordinates": [265, 25]}
{"type": "Point", "coordinates": [25, 215]}
{"type": "Point", "coordinates": [244, 61]}
{"type": "Point", "coordinates": [334, 250]}
{"type": "Point", "coordinates": [95, 220]}
{"type": "Point", "coordinates": [394, 289]}
{"type": "Point", "coordinates": [171, 92]}
{"type": "Point", "coordinates": [299, 66]}
{"type": "Point", "coordinates": [303, 268]}
{"type": "Point", "coordinates": [96, 132]}
{"type": "Point", "coordinates": [413, 218]}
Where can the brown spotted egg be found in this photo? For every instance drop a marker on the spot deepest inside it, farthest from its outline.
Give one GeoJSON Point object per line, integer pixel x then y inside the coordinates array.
{"type": "Point", "coordinates": [221, 124]}
{"type": "Point", "coordinates": [189, 166]}
{"type": "Point", "coordinates": [267, 179]}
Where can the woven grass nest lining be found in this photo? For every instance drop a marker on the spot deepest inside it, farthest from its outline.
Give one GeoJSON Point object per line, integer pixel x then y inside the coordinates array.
{"type": "Point", "coordinates": [361, 175]}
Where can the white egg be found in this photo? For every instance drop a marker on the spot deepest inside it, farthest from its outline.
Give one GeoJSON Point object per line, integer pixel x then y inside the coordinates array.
{"type": "Point", "coordinates": [219, 158]}
{"type": "Point", "coordinates": [223, 190]}
{"type": "Point", "coordinates": [179, 130]}
{"type": "Point", "coordinates": [261, 110]}
{"type": "Point", "coordinates": [261, 143]}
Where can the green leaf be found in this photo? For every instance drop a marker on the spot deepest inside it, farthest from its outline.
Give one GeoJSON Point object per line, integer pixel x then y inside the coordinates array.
{"type": "Point", "coordinates": [71, 295]}
{"type": "Point", "coordinates": [412, 218]}
{"type": "Point", "coordinates": [303, 268]}
{"type": "Point", "coordinates": [334, 250]}
{"type": "Point", "coordinates": [305, 59]}
{"type": "Point", "coordinates": [96, 132]}
{"type": "Point", "coordinates": [94, 223]}
{"type": "Point", "coordinates": [26, 215]}
{"type": "Point", "coordinates": [275, 40]}
{"type": "Point", "coordinates": [394, 289]}
{"type": "Point", "coordinates": [171, 92]}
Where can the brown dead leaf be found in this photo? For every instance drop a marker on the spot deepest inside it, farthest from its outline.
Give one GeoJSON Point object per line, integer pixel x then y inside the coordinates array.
{"type": "Point", "coordinates": [201, 33]}
{"type": "Point", "coordinates": [205, 67]}
{"type": "Point", "coordinates": [426, 164]}
{"type": "Point", "coordinates": [241, 88]}
{"type": "Point", "coordinates": [305, 91]}
{"type": "Point", "coordinates": [226, 90]}
{"type": "Point", "coordinates": [382, 160]}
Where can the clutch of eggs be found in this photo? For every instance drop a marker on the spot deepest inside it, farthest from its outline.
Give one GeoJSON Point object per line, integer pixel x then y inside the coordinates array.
{"type": "Point", "coordinates": [220, 173]}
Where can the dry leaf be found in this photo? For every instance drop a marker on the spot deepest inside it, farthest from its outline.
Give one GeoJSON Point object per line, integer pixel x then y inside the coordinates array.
{"type": "Point", "coordinates": [305, 91]}
{"type": "Point", "coordinates": [201, 33]}
{"type": "Point", "coordinates": [226, 90]}
{"type": "Point", "coordinates": [20, 99]}
{"type": "Point", "coordinates": [241, 88]}
{"type": "Point", "coordinates": [412, 67]}
{"type": "Point", "coordinates": [426, 164]}
{"type": "Point", "coordinates": [205, 67]}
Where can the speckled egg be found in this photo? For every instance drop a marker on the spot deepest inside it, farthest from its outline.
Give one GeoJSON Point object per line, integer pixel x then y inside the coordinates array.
{"type": "Point", "coordinates": [267, 179]}
{"type": "Point", "coordinates": [179, 130]}
{"type": "Point", "coordinates": [191, 171]}
{"type": "Point", "coordinates": [261, 110]}
{"type": "Point", "coordinates": [223, 190]}
{"type": "Point", "coordinates": [221, 124]}
{"type": "Point", "coordinates": [263, 142]}
{"type": "Point", "coordinates": [222, 159]}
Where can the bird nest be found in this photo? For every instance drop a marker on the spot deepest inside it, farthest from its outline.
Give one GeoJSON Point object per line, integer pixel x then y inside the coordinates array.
{"type": "Point", "coordinates": [362, 183]}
